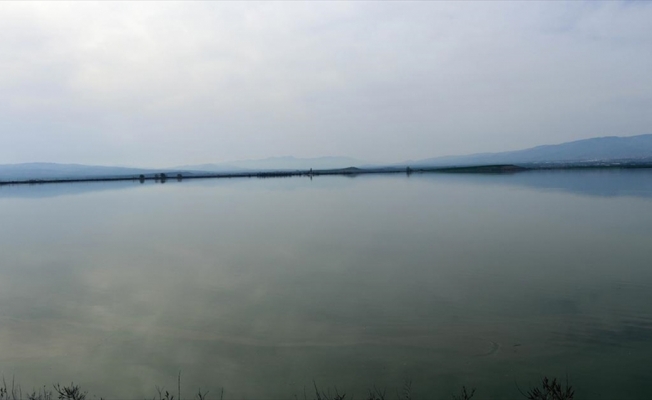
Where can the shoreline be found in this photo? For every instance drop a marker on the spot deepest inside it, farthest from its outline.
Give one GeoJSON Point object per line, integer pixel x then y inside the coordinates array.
{"type": "Point", "coordinates": [352, 171]}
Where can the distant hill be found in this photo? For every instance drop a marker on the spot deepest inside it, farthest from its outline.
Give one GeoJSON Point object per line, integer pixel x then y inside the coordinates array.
{"type": "Point", "coordinates": [595, 150]}
{"type": "Point", "coordinates": [40, 171]}
{"type": "Point", "coordinates": [217, 168]}
{"type": "Point", "coordinates": [277, 163]}
{"type": "Point", "coordinates": [63, 171]}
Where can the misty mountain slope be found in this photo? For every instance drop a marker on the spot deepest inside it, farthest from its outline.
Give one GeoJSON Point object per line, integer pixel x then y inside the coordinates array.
{"type": "Point", "coordinates": [610, 148]}
{"type": "Point", "coordinates": [62, 171]}
{"type": "Point", "coordinates": [27, 171]}
{"type": "Point", "coordinates": [278, 163]}
{"type": "Point", "coordinates": [218, 168]}
{"type": "Point", "coordinates": [598, 150]}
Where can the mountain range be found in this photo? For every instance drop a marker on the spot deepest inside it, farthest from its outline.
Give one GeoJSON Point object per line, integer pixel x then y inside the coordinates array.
{"type": "Point", "coordinates": [27, 171]}
{"type": "Point", "coordinates": [594, 151]}
{"type": "Point", "coordinates": [277, 163]}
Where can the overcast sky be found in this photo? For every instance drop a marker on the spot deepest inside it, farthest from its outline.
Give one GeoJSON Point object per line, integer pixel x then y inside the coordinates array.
{"type": "Point", "coordinates": [162, 84]}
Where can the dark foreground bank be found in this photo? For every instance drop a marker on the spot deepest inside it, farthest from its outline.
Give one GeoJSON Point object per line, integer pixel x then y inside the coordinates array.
{"type": "Point", "coordinates": [548, 389]}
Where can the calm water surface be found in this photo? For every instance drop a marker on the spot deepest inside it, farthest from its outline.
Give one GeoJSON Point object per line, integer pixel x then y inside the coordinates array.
{"type": "Point", "coordinates": [262, 286]}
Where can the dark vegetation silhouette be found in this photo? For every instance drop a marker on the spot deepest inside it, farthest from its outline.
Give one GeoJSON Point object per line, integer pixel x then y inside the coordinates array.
{"type": "Point", "coordinates": [548, 389]}
{"type": "Point", "coordinates": [464, 394]}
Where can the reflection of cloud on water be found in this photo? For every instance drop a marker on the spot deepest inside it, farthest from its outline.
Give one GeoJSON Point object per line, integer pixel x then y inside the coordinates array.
{"type": "Point", "coordinates": [596, 333]}
{"type": "Point", "coordinates": [616, 314]}
{"type": "Point", "coordinates": [369, 282]}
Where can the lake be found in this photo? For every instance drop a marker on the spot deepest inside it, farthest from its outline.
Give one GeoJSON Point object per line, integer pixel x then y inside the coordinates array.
{"type": "Point", "coordinates": [262, 286]}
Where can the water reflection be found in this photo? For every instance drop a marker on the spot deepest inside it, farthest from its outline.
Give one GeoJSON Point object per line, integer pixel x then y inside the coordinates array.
{"type": "Point", "coordinates": [604, 183]}
{"type": "Point", "coordinates": [263, 286]}
{"type": "Point", "coordinates": [61, 189]}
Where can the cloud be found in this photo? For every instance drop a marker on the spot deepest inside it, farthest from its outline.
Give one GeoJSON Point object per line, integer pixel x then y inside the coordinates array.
{"type": "Point", "coordinates": [175, 83]}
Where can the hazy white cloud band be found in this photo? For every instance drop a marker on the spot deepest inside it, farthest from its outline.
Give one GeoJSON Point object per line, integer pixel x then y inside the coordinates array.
{"type": "Point", "coordinates": [156, 84]}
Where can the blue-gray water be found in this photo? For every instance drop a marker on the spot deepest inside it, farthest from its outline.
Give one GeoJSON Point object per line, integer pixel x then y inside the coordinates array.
{"type": "Point", "coordinates": [262, 286]}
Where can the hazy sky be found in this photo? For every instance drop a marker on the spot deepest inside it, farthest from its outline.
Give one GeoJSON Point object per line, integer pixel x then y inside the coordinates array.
{"type": "Point", "coordinates": [161, 84]}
